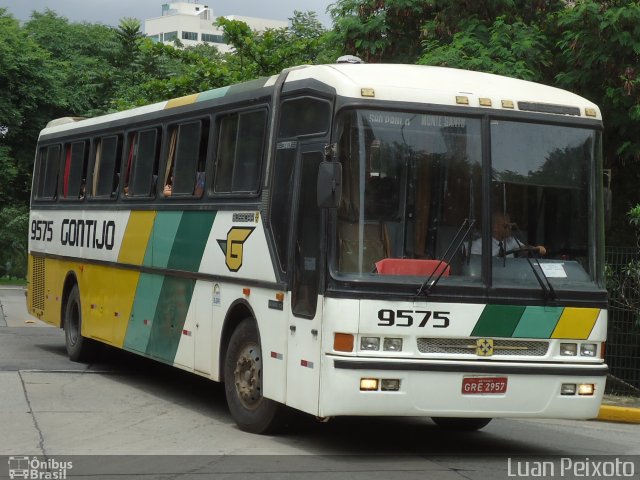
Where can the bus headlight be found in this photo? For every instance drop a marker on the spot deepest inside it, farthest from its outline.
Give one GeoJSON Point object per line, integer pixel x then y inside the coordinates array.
{"type": "Point", "coordinates": [568, 349]}
{"type": "Point", "coordinates": [392, 345]}
{"type": "Point", "coordinates": [588, 350]}
{"type": "Point", "coordinates": [370, 343]}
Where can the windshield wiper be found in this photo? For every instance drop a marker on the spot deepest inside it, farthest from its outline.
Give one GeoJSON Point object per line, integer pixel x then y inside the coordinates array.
{"type": "Point", "coordinates": [547, 289]}
{"type": "Point", "coordinates": [449, 253]}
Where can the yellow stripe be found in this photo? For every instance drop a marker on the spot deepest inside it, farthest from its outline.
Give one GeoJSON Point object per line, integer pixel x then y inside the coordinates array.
{"type": "Point", "coordinates": [179, 102]}
{"type": "Point", "coordinates": [576, 323]}
{"type": "Point", "coordinates": [136, 237]}
{"type": "Point", "coordinates": [107, 295]}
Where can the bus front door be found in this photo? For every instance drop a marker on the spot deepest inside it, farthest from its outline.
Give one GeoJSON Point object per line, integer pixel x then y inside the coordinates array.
{"type": "Point", "coordinates": [303, 359]}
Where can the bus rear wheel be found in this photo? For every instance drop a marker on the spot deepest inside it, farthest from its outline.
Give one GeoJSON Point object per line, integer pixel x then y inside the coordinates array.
{"type": "Point", "coordinates": [461, 424]}
{"type": "Point", "coordinates": [243, 382]}
{"type": "Point", "coordinates": [79, 348]}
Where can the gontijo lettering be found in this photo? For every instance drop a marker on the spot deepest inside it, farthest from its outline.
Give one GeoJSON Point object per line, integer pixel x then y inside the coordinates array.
{"type": "Point", "coordinates": [88, 233]}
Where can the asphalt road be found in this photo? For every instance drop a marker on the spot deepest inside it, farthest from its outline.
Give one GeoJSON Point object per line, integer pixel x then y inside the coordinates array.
{"type": "Point", "coordinates": [127, 417]}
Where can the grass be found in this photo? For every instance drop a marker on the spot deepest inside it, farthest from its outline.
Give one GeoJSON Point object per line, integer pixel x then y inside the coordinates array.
{"type": "Point", "coordinates": [13, 281]}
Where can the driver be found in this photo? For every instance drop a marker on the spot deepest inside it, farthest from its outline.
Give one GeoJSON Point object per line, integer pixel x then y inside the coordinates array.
{"type": "Point", "coordinates": [503, 243]}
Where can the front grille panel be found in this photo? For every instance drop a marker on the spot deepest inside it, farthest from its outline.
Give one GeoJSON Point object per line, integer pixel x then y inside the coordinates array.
{"type": "Point", "coordinates": [467, 346]}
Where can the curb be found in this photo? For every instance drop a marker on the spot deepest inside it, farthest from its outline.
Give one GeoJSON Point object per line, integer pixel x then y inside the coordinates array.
{"type": "Point", "coordinates": [610, 413]}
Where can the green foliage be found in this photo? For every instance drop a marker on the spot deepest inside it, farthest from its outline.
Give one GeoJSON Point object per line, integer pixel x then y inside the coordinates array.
{"type": "Point", "coordinates": [624, 284]}
{"type": "Point", "coordinates": [84, 59]}
{"type": "Point", "coordinates": [13, 241]}
{"type": "Point", "coordinates": [511, 49]}
{"type": "Point", "coordinates": [381, 30]}
{"type": "Point", "coordinates": [269, 52]}
{"type": "Point", "coordinates": [599, 56]}
{"type": "Point", "coordinates": [634, 218]}
{"type": "Point", "coordinates": [401, 31]}
{"type": "Point", "coordinates": [29, 83]}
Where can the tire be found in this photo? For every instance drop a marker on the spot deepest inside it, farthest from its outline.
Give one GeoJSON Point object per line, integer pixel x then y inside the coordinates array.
{"type": "Point", "coordinates": [79, 348]}
{"type": "Point", "coordinates": [243, 382]}
{"type": "Point", "coordinates": [461, 424]}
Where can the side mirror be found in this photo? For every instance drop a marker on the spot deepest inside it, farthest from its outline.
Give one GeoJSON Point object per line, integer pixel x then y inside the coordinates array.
{"type": "Point", "coordinates": [329, 184]}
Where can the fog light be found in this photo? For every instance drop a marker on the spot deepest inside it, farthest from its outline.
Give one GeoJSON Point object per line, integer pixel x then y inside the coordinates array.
{"type": "Point", "coordinates": [586, 389]}
{"type": "Point", "coordinates": [568, 389]}
{"type": "Point", "coordinates": [392, 345]}
{"type": "Point", "coordinates": [370, 343]}
{"type": "Point", "coordinates": [588, 350]}
{"type": "Point", "coordinates": [568, 349]}
{"type": "Point", "coordinates": [368, 384]}
{"type": "Point", "coordinates": [390, 384]}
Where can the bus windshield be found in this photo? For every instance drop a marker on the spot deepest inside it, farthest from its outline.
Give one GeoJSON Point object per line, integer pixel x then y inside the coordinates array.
{"type": "Point", "coordinates": [541, 183]}
{"type": "Point", "coordinates": [413, 202]}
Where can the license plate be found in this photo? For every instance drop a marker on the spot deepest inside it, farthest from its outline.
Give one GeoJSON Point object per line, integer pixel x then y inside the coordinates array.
{"type": "Point", "coordinates": [484, 385]}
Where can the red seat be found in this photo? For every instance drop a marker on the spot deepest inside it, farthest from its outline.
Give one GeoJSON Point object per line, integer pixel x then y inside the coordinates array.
{"type": "Point", "coordinates": [412, 266]}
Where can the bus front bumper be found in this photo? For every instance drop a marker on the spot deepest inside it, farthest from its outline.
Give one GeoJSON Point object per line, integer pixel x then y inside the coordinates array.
{"type": "Point", "coordinates": [461, 389]}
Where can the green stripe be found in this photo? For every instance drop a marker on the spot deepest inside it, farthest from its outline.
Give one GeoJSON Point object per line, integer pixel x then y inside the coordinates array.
{"type": "Point", "coordinates": [177, 242]}
{"type": "Point", "coordinates": [169, 318]}
{"type": "Point", "coordinates": [498, 321]}
{"type": "Point", "coordinates": [538, 322]}
{"type": "Point", "coordinates": [190, 240]}
{"type": "Point", "coordinates": [213, 94]}
{"type": "Point", "coordinates": [144, 308]}
{"type": "Point", "coordinates": [162, 239]}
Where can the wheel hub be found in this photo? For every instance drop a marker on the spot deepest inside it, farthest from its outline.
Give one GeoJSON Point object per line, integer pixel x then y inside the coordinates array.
{"type": "Point", "coordinates": [247, 374]}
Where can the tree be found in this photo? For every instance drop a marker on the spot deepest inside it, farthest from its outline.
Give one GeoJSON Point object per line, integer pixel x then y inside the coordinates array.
{"type": "Point", "coordinates": [130, 36]}
{"type": "Point", "coordinates": [28, 84]}
{"type": "Point", "coordinates": [598, 56]}
{"type": "Point", "coordinates": [13, 240]}
{"type": "Point", "coordinates": [168, 72]}
{"type": "Point", "coordinates": [381, 30]}
{"type": "Point", "coordinates": [84, 59]}
{"type": "Point", "coordinates": [512, 49]}
{"type": "Point", "coordinates": [267, 53]}
{"type": "Point", "coordinates": [397, 31]}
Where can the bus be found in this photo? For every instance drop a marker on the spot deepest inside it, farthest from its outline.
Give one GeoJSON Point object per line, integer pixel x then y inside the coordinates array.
{"type": "Point", "coordinates": [324, 240]}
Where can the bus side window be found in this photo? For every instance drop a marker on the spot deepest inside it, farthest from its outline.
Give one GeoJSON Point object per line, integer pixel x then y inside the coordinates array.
{"type": "Point", "coordinates": [184, 173]}
{"type": "Point", "coordinates": [240, 151]}
{"type": "Point", "coordinates": [142, 163]}
{"type": "Point", "coordinates": [75, 170]}
{"type": "Point", "coordinates": [106, 170]}
{"type": "Point", "coordinates": [48, 167]}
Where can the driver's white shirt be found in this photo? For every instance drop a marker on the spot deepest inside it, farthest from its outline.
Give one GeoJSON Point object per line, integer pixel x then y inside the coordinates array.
{"type": "Point", "coordinates": [509, 243]}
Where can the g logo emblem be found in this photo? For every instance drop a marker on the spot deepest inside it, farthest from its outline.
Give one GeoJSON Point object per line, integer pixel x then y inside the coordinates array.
{"type": "Point", "coordinates": [232, 247]}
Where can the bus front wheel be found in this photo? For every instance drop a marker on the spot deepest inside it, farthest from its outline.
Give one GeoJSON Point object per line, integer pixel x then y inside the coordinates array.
{"type": "Point", "coordinates": [461, 424]}
{"type": "Point", "coordinates": [243, 382]}
{"type": "Point", "coordinates": [79, 348]}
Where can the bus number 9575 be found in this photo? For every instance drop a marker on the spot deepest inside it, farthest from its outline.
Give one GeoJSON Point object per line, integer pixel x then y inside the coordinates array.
{"type": "Point", "coordinates": [42, 230]}
{"type": "Point", "coordinates": [405, 318]}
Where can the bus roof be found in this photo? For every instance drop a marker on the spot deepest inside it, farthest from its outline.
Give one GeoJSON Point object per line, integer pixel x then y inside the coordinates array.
{"type": "Point", "coordinates": [391, 82]}
{"type": "Point", "coordinates": [446, 86]}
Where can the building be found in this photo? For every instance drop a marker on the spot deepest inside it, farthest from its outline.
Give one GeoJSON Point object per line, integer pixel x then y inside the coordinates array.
{"type": "Point", "coordinates": [193, 23]}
